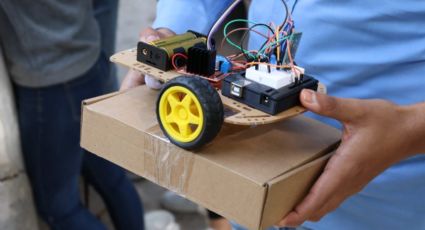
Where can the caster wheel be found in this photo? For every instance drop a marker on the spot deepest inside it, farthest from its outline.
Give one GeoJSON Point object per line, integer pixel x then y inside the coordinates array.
{"type": "Point", "coordinates": [189, 111]}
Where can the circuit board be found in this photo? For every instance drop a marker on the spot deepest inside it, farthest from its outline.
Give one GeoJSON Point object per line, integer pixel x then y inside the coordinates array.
{"type": "Point", "coordinates": [235, 112]}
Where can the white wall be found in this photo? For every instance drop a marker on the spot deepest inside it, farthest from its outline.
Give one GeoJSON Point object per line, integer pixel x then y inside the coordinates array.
{"type": "Point", "coordinates": [16, 204]}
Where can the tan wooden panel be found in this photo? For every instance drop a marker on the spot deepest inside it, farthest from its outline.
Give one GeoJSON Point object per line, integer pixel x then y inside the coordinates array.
{"type": "Point", "coordinates": [235, 112]}
{"type": "Point", "coordinates": [128, 59]}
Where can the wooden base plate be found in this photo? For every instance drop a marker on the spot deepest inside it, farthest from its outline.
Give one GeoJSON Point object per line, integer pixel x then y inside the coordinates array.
{"type": "Point", "coordinates": [235, 112]}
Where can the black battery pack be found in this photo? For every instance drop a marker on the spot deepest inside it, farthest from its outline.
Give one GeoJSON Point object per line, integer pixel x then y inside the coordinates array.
{"type": "Point", "coordinates": [159, 53]}
{"type": "Point", "coordinates": [265, 98]}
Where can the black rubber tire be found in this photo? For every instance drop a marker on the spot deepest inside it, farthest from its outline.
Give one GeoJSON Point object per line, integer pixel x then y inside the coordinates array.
{"type": "Point", "coordinates": [211, 104]}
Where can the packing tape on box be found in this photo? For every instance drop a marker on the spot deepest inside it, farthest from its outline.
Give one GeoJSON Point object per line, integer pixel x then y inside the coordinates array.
{"type": "Point", "coordinates": [165, 163]}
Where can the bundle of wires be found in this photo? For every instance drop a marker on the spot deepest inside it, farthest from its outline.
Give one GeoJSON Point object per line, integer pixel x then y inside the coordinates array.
{"type": "Point", "coordinates": [276, 46]}
{"type": "Point", "coordinates": [274, 52]}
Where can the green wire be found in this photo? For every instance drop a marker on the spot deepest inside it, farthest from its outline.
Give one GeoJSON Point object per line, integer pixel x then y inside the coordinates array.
{"type": "Point", "coordinates": [272, 44]}
{"type": "Point", "coordinates": [230, 41]}
{"type": "Point", "coordinates": [260, 52]}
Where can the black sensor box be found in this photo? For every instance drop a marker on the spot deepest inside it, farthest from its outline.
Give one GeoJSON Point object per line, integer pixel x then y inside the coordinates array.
{"type": "Point", "coordinates": [265, 98]}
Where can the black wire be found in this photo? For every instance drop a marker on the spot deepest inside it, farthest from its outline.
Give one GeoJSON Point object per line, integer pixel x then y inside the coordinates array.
{"type": "Point", "coordinates": [264, 44]}
{"type": "Point", "coordinates": [287, 13]}
{"type": "Point", "coordinates": [247, 32]}
{"type": "Point", "coordinates": [262, 24]}
{"type": "Point", "coordinates": [293, 6]}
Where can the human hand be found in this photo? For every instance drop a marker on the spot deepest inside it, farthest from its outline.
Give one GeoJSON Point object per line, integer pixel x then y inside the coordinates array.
{"type": "Point", "coordinates": [134, 78]}
{"type": "Point", "coordinates": [376, 135]}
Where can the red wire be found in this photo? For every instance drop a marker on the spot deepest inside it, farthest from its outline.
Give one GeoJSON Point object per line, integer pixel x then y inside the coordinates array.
{"type": "Point", "coordinates": [173, 58]}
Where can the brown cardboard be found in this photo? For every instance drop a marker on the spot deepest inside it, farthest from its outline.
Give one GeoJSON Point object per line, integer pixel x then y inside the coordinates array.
{"type": "Point", "coordinates": [253, 175]}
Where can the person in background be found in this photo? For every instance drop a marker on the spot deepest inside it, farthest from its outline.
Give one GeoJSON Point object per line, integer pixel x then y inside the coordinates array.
{"type": "Point", "coordinates": [359, 50]}
{"type": "Point", "coordinates": [56, 53]}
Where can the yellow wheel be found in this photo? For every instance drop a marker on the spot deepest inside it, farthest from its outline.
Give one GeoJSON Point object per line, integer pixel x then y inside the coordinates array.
{"type": "Point", "coordinates": [189, 111]}
{"type": "Point", "coordinates": [181, 114]}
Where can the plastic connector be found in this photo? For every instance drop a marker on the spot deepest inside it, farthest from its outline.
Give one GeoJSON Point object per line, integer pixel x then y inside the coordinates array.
{"type": "Point", "coordinates": [270, 76]}
{"type": "Point", "coordinates": [222, 64]}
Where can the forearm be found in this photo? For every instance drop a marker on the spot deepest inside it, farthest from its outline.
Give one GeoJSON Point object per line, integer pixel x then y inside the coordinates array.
{"type": "Point", "coordinates": [415, 124]}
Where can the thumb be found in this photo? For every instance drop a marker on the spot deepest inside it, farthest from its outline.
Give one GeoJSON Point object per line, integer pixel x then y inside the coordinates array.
{"type": "Point", "coordinates": [333, 107]}
{"type": "Point", "coordinates": [149, 34]}
{"type": "Point", "coordinates": [132, 79]}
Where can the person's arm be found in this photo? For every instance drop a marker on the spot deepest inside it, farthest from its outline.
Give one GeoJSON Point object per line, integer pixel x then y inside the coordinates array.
{"type": "Point", "coordinates": [417, 114]}
{"type": "Point", "coordinates": [377, 134]}
{"type": "Point", "coordinates": [177, 16]}
{"type": "Point", "coordinates": [182, 15]}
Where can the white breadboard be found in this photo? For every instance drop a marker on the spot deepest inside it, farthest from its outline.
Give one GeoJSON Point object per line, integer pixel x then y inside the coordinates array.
{"type": "Point", "coordinates": [275, 78]}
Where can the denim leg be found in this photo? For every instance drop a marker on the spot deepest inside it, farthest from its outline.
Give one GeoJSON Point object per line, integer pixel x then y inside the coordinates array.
{"type": "Point", "coordinates": [117, 191]}
{"type": "Point", "coordinates": [49, 128]}
{"type": "Point", "coordinates": [106, 13]}
{"type": "Point", "coordinates": [50, 133]}
{"type": "Point", "coordinates": [119, 194]}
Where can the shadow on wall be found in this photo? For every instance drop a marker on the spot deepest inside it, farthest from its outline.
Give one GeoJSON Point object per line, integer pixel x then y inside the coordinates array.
{"type": "Point", "coordinates": [16, 204]}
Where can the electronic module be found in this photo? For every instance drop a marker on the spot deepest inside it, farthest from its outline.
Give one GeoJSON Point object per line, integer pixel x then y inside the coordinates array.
{"type": "Point", "coordinates": [203, 88]}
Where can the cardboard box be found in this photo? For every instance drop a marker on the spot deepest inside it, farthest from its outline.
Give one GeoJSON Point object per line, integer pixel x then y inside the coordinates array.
{"type": "Point", "coordinates": [252, 175]}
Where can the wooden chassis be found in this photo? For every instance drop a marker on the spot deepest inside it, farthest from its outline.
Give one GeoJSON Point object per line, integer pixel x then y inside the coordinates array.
{"type": "Point", "coordinates": [235, 112]}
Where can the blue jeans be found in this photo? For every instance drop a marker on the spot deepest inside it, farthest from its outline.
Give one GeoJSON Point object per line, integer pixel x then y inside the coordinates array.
{"type": "Point", "coordinates": [49, 121]}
